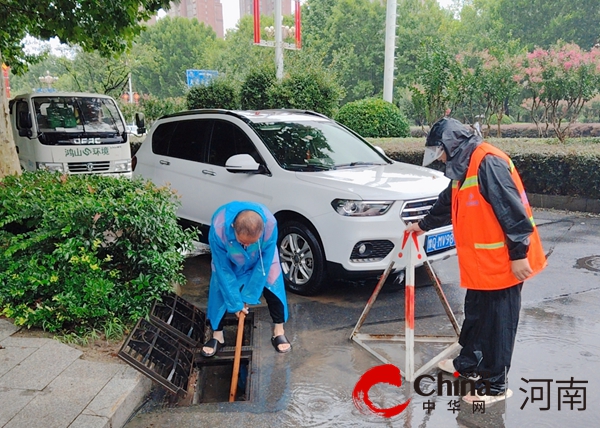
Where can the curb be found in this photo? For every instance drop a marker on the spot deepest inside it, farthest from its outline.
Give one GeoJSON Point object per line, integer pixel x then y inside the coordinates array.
{"type": "Point", "coordinates": [116, 402]}
{"type": "Point", "coordinates": [567, 203]}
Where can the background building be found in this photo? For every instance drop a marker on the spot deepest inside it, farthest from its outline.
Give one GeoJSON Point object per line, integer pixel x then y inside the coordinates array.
{"type": "Point", "coordinates": [208, 11]}
{"type": "Point", "coordinates": [267, 7]}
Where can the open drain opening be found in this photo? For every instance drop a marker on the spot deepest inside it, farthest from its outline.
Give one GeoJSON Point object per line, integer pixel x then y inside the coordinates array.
{"type": "Point", "coordinates": [167, 349]}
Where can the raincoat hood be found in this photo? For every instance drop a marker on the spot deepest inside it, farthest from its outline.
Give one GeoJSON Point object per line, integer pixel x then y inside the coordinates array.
{"type": "Point", "coordinates": [458, 143]}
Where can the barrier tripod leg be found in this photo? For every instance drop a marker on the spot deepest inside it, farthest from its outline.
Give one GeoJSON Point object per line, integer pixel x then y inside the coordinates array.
{"type": "Point", "coordinates": [372, 299]}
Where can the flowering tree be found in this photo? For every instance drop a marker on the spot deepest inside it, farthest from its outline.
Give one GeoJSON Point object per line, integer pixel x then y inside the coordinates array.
{"type": "Point", "coordinates": [496, 83]}
{"type": "Point", "coordinates": [488, 78]}
{"type": "Point", "coordinates": [559, 82]}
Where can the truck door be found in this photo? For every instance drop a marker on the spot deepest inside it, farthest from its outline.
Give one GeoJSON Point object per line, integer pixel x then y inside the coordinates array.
{"type": "Point", "coordinates": [21, 124]}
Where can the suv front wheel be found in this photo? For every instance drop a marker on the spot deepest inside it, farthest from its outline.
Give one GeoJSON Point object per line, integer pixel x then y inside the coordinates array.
{"type": "Point", "coordinates": [302, 260]}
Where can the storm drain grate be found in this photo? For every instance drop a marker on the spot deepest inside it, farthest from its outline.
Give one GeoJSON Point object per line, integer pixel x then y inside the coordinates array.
{"type": "Point", "coordinates": [159, 355]}
{"type": "Point", "coordinates": [181, 318]}
{"type": "Point", "coordinates": [166, 348]}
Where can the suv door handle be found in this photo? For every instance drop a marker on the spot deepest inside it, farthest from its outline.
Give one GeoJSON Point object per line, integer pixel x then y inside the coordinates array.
{"type": "Point", "coordinates": [164, 162]}
{"type": "Point", "coordinates": [208, 172]}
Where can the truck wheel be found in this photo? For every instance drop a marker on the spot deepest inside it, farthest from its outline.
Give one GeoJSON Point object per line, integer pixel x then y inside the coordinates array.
{"type": "Point", "coordinates": [302, 260]}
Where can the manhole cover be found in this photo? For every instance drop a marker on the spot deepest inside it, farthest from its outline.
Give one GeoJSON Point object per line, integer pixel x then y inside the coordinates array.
{"type": "Point", "coordinates": [590, 263]}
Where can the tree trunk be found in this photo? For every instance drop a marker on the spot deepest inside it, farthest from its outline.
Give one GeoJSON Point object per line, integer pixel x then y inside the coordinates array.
{"type": "Point", "coordinates": [9, 160]}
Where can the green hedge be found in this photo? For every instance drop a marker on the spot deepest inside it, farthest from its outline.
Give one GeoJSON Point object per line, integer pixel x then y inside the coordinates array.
{"type": "Point", "coordinates": [310, 89]}
{"type": "Point", "coordinates": [84, 253]}
{"type": "Point", "coordinates": [374, 117]}
{"type": "Point", "coordinates": [220, 93]}
{"type": "Point", "coordinates": [546, 167]}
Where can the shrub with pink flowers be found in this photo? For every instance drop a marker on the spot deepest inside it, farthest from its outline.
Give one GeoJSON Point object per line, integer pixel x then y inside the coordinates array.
{"type": "Point", "coordinates": [559, 82]}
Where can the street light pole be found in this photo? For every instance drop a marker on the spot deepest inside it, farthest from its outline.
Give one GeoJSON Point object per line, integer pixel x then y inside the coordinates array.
{"type": "Point", "coordinates": [390, 47]}
{"type": "Point", "coordinates": [130, 90]}
{"type": "Point", "coordinates": [278, 41]}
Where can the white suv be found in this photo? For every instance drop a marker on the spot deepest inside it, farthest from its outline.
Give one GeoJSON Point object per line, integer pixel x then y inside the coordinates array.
{"type": "Point", "coordinates": [341, 203]}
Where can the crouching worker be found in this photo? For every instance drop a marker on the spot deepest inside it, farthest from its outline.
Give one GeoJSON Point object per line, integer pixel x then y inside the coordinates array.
{"type": "Point", "coordinates": [245, 265]}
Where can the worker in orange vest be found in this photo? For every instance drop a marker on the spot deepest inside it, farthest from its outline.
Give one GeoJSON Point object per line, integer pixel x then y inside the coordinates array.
{"type": "Point", "coordinates": [498, 247]}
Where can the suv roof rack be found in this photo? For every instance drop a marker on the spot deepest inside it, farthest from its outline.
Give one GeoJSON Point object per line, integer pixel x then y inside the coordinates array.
{"type": "Point", "coordinates": [203, 111]}
{"type": "Point", "coordinates": [236, 113]}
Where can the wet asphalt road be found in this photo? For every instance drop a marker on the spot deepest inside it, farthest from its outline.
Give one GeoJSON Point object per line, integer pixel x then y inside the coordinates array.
{"type": "Point", "coordinates": [558, 341]}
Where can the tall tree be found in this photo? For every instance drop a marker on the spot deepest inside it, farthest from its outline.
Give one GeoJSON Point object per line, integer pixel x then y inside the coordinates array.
{"type": "Point", "coordinates": [166, 50]}
{"type": "Point", "coordinates": [543, 22]}
{"type": "Point", "coordinates": [356, 41]}
{"type": "Point", "coordinates": [89, 72]}
{"type": "Point", "coordinates": [417, 22]}
{"type": "Point", "coordinates": [102, 26]}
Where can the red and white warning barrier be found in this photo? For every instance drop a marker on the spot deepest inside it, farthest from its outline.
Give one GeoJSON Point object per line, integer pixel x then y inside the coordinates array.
{"type": "Point", "coordinates": [412, 252]}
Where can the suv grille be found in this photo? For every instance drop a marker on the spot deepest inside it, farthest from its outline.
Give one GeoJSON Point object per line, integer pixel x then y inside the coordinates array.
{"type": "Point", "coordinates": [88, 167]}
{"type": "Point", "coordinates": [371, 251]}
{"type": "Point", "coordinates": [417, 209]}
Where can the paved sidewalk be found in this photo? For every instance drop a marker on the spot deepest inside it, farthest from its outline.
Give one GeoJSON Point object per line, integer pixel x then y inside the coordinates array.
{"type": "Point", "coordinates": [45, 383]}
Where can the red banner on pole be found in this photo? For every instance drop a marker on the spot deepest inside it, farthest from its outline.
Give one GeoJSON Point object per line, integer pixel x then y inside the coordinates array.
{"type": "Point", "coordinates": [297, 20]}
{"type": "Point", "coordinates": [5, 69]}
{"type": "Point", "coordinates": [256, 21]}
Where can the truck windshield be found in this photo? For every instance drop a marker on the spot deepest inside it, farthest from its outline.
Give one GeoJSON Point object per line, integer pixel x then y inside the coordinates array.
{"type": "Point", "coordinates": [78, 115]}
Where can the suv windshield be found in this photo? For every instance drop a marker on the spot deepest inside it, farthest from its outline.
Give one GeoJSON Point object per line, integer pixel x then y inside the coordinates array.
{"type": "Point", "coordinates": [315, 146]}
{"type": "Point", "coordinates": [77, 114]}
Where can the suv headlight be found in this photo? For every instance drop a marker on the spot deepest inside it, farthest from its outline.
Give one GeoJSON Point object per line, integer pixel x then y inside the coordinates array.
{"type": "Point", "coordinates": [123, 166]}
{"type": "Point", "coordinates": [349, 207]}
{"type": "Point", "coordinates": [50, 166]}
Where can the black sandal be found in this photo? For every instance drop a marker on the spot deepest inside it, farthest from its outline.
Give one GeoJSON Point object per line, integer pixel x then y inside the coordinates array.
{"type": "Point", "coordinates": [280, 340]}
{"type": "Point", "coordinates": [215, 345]}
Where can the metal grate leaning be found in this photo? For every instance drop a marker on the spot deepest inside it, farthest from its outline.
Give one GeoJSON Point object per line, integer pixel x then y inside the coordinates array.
{"type": "Point", "coordinates": [181, 318]}
{"type": "Point", "coordinates": [160, 355]}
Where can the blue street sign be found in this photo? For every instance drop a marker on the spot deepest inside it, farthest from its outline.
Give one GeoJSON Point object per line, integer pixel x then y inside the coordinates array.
{"type": "Point", "coordinates": [200, 77]}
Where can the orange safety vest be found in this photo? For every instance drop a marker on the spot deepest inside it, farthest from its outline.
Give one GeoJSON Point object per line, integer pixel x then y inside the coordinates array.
{"type": "Point", "coordinates": [480, 241]}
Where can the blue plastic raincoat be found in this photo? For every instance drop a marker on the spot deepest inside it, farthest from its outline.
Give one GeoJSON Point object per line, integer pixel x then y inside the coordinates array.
{"type": "Point", "coordinates": [239, 275]}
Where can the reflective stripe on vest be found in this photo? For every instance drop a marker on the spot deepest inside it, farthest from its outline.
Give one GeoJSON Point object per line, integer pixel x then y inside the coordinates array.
{"type": "Point", "coordinates": [480, 241]}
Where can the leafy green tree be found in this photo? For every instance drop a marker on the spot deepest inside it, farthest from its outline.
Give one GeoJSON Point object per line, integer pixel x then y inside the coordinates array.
{"type": "Point", "coordinates": [315, 21]}
{"type": "Point", "coordinates": [89, 72]}
{"type": "Point", "coordinates": [356, 33]}
{"type": "Point", "coordinates": [543, 23]}
{"type": "Point", "coordinates": [172, 46]}
{"type": "Point", "coordinates": [437, 72]}
{"type": "Point", "coordinates": [29, 81]}
{"type": "Point", "coordinates": [417, 21]}
{"type": "Point", "coordinates": [478, 26]}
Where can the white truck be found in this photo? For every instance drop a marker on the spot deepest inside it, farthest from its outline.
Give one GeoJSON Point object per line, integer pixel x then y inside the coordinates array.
{"type": "Point", "coordinates": [72, 132]}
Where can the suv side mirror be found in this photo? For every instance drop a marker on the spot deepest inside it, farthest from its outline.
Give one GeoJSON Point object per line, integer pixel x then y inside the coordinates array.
{"type": "Point", "coordinates": [242, 163]}
{"type": "Point", "coordinates": [140, 123]}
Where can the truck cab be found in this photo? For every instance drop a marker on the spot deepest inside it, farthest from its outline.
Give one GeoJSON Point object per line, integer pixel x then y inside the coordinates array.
{"type": "Point", "coordinates": [71, 132]}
